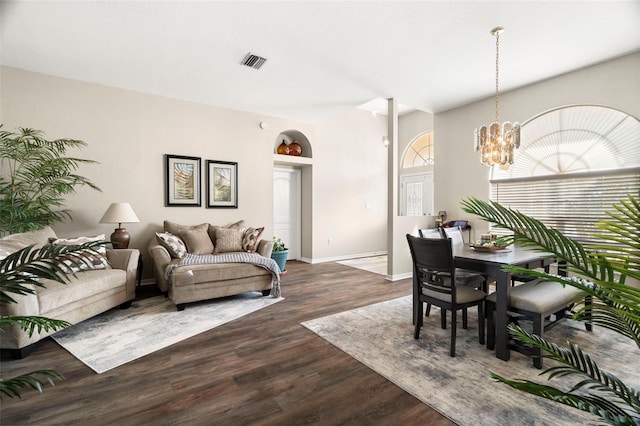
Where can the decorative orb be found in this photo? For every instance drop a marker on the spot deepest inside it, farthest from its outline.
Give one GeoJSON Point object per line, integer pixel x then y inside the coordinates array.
{"type": "Point", "coordinates": [295, 149]}
{"type": "Point", "coordinates": [283, 149]}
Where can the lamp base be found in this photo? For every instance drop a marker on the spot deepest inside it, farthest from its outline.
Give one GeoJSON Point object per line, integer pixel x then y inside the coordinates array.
{"type": "Point", "coordinates": [120, 238]}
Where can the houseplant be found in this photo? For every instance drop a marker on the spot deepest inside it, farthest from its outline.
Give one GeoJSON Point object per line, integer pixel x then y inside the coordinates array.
{"type": "Point", "coordinates": [20, 273]}
{"type": "Point", "coordinates": [279, 253]}
{"type": "Point", "coordinates": [600, 270]}
{"type": "Point", "coordinates": [35, 177]}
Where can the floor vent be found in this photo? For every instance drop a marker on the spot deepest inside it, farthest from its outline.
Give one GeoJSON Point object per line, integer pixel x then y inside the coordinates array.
{"type": "Point", "coordinates": [253, 61]}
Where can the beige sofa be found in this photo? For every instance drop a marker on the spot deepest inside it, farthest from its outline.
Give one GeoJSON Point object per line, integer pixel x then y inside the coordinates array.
{"type": "Point", "coordinates": [89, 293]}
{"type": "Point", "coordinates": [192, 283]}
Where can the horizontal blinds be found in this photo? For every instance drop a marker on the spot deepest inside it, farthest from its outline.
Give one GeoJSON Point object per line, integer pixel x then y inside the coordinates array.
{"type": "Point", "coordinates": [570, 204]}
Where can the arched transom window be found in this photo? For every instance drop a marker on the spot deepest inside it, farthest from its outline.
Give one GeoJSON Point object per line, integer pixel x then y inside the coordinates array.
{"type": "Point", "coordinates": [420, 152]}
{"type": "Point", "coordinates": [573, 164]}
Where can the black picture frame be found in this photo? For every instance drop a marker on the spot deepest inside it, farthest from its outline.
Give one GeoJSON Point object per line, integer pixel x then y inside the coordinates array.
{"type": "Point", "coordinates": [222, 184]}
{"type": "Point", "coordinates": [182, 181]}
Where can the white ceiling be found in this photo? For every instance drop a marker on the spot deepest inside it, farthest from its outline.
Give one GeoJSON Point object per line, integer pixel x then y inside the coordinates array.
{"type": "Point", "coordinates": [323, 57]}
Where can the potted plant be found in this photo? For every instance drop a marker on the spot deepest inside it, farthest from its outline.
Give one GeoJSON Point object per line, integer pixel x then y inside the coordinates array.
{"type": "Point", "coordinates": [33, 186]}
{"type": "Point", "coordinates": [21, 273]}
{"type": "Point", "coordinates": [280, 253]}
{"type": "Point", "coordinates": [607, 271]}
{"type": "Point", "coordinates": [38, 177]}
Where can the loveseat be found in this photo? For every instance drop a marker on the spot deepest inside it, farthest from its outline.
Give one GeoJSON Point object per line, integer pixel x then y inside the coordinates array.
{"type": "Point", "coordinates": [245, 262]}
{"type": "Point", "coordinates": [109, 281]}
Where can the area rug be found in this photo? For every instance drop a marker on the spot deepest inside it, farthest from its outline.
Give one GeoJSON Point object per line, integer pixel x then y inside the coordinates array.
{"type": "Point", "coordinates": [119, 336]}
{"type": "Point", "coordinates": [375, 264]}
{"type": "Point", "coordinates": [381, 337]}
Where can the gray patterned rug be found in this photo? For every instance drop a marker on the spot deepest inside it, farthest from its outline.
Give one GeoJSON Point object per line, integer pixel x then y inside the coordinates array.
{"type": "Point", "coordinates": [119, 336]}
{"type": "Point", "coordinates": [381, 337]}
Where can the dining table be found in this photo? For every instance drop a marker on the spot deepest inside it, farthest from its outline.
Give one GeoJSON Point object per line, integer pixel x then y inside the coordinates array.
{"type": "Point", "coordinates": [491, 263]}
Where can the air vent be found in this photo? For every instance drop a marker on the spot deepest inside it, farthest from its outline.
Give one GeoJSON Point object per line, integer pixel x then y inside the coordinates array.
{"type": "Point", "coordinates": [253, 61]}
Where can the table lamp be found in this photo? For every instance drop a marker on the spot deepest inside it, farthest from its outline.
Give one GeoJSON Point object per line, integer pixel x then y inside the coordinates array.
{"type": "Point", "coordinates": [120, 213]}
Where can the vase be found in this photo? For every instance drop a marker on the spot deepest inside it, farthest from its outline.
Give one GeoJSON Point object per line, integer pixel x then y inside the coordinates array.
{"type": "Point", "coordinates": [283, 149]}
{"type": "Point", "coordinates": [295, 149]}
{"type": "Point", "coordinates": [281, 258]}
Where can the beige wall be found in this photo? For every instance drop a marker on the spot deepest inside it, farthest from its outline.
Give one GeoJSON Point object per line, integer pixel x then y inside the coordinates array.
{"type": "Point", "coordinates": [458, 173]}
{"type": "Point", "coordinates": [409, 126]}
{"type": "Point", "coordinates": [350, 193]}
{"type": "Point", "coordinates": [129, 132]}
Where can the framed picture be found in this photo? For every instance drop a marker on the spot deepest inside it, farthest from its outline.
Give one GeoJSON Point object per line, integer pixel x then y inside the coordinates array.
{"type": "Point", "coordinates": [222, 184]}
{"type": "Point", "coordinates": [182, 185]}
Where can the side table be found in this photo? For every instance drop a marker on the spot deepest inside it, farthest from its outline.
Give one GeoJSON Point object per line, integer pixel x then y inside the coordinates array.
{"type": "Point", "coordinates": [140, 268]}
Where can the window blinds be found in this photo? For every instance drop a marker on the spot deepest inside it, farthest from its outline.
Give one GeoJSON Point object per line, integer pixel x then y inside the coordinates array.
{"type": "Point", "coordinates": [572, 204]}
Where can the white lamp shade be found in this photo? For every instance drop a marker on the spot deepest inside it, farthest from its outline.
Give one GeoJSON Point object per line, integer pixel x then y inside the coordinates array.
{"type": "Point", "coordinates": [119, 213]}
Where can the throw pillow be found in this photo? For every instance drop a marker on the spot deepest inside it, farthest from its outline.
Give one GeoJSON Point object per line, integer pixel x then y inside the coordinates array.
{"type": "Point", "coordinates": [212, 228]}
{"type": "Point", "coordinates": [197, 241]}
{"type": "Point", "coordinates": [250, 239]}
{"type": "Point", "coordinates": [94, 258]}
{"type": "Point", "coordinates": [228, 240]}
{"type": "Point", "coordinates": [177, 229]}
{"type": "Point", "coordinates": [174, 245]}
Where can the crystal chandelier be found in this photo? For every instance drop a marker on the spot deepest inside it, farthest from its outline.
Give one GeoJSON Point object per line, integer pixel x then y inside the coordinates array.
{"type": "Point", "coordinates": [497, 142]}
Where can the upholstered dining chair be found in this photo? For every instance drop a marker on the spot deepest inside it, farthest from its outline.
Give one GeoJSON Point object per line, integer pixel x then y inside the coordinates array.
{"type": "Point", "coordinates": [545, 303]}
{"type": "Point", "coordinates": [455, 233]}
{"type": "Point", "coordinates": [430, 233]}
{"type": "Point", "coordinates": [434, 282]}
{"type": "Point", "coordinates": [463, 277]}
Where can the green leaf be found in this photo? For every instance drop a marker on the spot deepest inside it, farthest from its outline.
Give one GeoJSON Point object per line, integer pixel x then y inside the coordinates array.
{"type": "Point", "coordinates": [601, 271]}
{"type": "Point", "coordinates": [34, 380]}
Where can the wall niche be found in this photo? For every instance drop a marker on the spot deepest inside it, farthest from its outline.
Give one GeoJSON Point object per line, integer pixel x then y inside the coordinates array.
{"type": "Point", "coordinates": [291, 138]}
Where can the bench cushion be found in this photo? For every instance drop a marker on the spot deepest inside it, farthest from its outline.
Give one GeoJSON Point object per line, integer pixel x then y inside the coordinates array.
{"type": "Point", "coordinates": [541, 296]}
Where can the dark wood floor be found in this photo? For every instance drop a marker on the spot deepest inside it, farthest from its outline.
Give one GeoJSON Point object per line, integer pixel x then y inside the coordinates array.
{"type": "Point", "coordinates": [264, 368]}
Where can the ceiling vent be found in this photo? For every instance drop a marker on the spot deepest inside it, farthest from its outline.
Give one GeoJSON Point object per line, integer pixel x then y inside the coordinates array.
{"type": "Point", "coordinates": [253, 61]}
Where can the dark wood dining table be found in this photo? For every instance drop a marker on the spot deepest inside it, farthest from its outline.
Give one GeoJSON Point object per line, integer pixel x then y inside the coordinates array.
{"type": "Point", "coordinates": [491, 263]}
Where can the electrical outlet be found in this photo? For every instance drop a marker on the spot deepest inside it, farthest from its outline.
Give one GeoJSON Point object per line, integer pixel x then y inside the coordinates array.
{"type": "Point", "coordinates": [329, 240]}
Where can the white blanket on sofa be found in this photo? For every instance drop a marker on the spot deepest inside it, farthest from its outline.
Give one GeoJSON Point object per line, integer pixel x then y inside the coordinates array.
{"type": "Point", "coordinates": [236, 257]}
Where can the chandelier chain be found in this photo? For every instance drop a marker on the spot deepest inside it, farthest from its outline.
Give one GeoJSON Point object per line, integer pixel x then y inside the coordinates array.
{"type": "Point", "coordinates": [497, 71]}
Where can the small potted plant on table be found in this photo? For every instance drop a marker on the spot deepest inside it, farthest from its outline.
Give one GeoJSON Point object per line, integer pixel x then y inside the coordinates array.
{"type": "Point", "coordinates": [280, 253]}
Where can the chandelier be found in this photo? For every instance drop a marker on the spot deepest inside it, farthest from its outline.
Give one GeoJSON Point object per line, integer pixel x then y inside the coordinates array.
{"type": "Point", "coordinates": [496, 142]}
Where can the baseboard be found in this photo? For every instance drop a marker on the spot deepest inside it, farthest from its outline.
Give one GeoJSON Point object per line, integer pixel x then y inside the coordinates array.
{"type": "Point", "coordinates": [346, 257]}
{"type": "Point", "coordinates": [147, 281]}
{"type": "Point", "coordinates": [399, 277]}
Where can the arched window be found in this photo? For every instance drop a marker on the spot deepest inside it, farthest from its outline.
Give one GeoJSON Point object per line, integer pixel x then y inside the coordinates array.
{"type": "Point", "coordinates": [416, 177]}
{"type": "Point", "coordinates": [420, 152]}
{"type": "Point", "coordinates": [573, 164]}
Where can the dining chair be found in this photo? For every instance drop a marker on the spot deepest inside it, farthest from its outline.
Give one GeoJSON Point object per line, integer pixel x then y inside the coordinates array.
{"type": "Point", "coordinates": [434, 282]}
{"type": "Point", "coordinates": [455, 233]}
{"type": "Point", "coordinates": [463, 277]}
{"type": "Point", "coordinates": [544, 303]}
{"type": "Point", "coordinates": [430, 233]}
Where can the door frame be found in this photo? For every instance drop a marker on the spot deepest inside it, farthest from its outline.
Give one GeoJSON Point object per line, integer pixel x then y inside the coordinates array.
{"type": "Point", "coordinates": [294, 246]}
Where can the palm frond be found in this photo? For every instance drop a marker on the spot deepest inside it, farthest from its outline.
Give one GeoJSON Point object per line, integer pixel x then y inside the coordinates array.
{"type": "Point", "coordinates": [23, 269]}
{"type": "Point", "coordinates": [34, 380]}
{"type": "Point", "coordinates": [40, 176]}
{"type": "Point", "coordinates": [575, 362]}
{"type": "Point", "coordinates": [602, 271]}
{"type": "Point", "coordinates": [595, 405]}
{"type": "Point", "coordinates": [32, 324]}
{"type": "Point", "coordinates": [530, 232]}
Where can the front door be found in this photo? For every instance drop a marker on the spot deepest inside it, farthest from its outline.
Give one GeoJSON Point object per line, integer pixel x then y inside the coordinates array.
{"type": "Point", "coordinates": [286, 208]}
